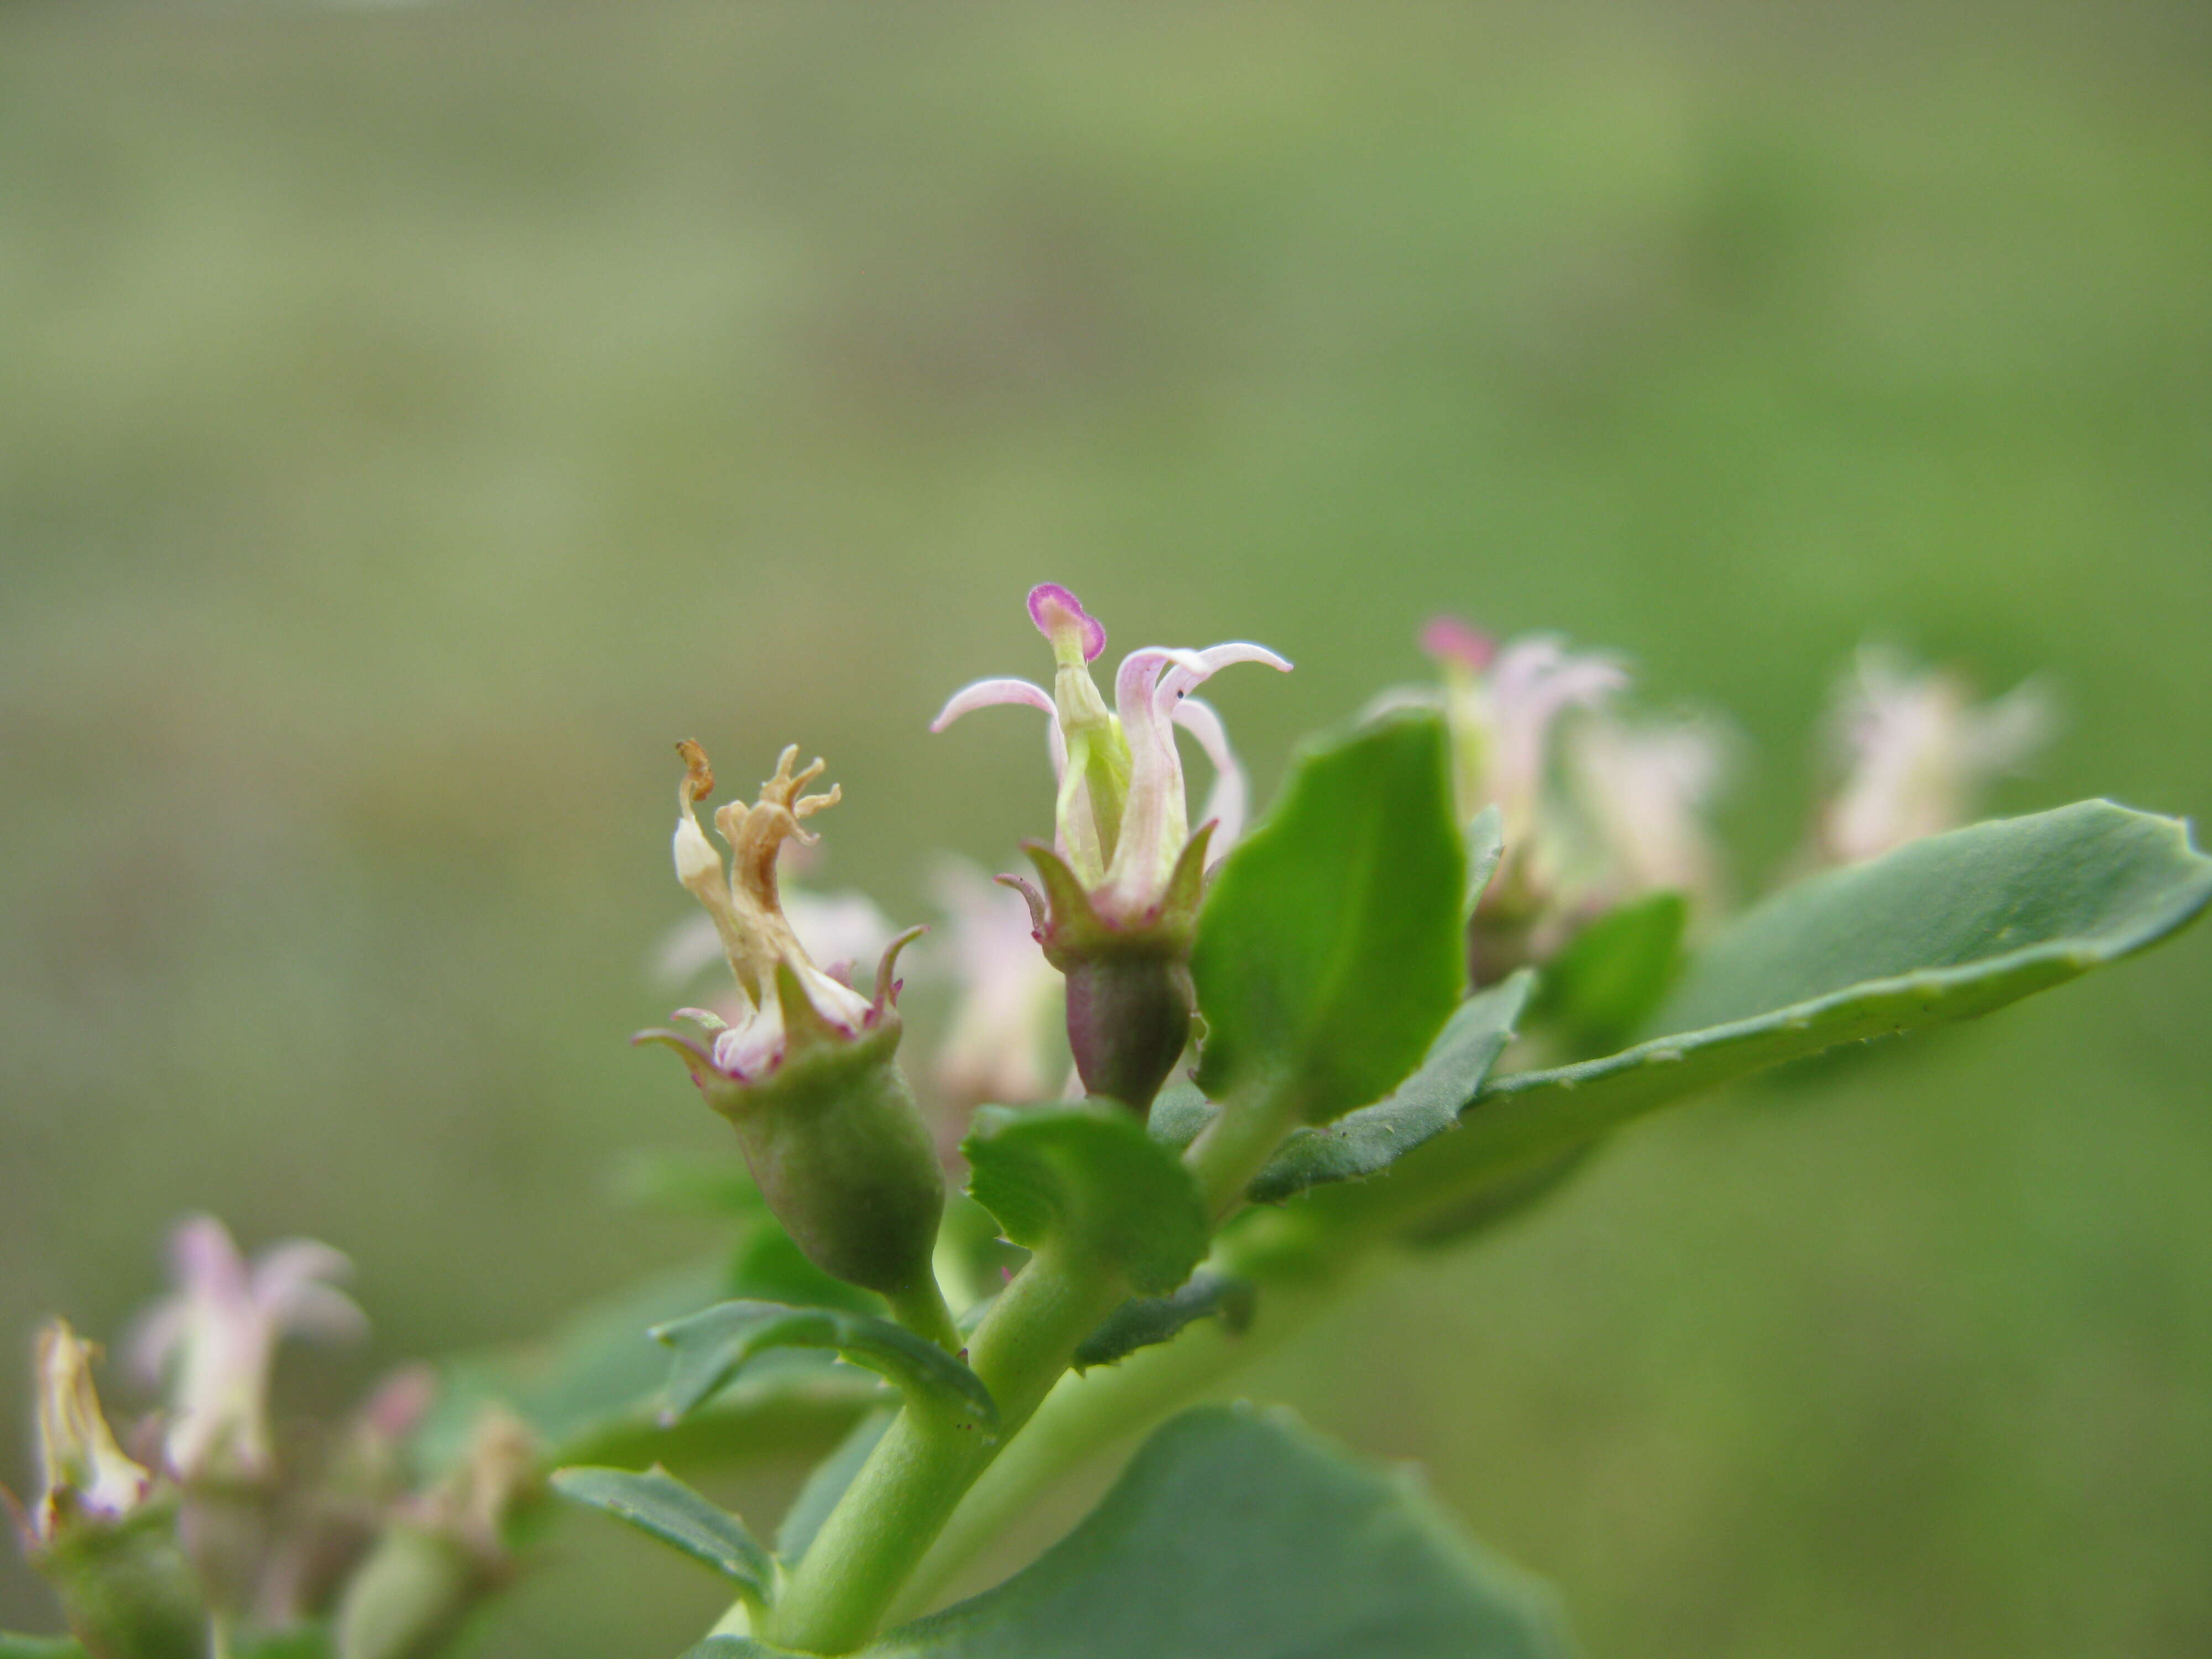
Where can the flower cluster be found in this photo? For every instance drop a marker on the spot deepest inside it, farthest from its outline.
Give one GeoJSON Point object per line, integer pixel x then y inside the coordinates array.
{"type": "Point", "coordinates": [215, 1532]}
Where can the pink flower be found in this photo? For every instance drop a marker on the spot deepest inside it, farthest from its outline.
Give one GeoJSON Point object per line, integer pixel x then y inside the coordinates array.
{"type": "Point", "coordinates": [1122, 820]}
{"type": "Point", "coordinates": [999, 1046]}
{"type": "Point", "coordinates": [215, 1339]}
{"type": "Point", "coordinates": [1643, 787]}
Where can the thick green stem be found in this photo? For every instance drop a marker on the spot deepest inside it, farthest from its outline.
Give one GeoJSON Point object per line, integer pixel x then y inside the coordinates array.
{"type": "Point", "coordinates": [1236, 1145]}
{"type": "Point", "coordinates": [1086, 1414]}
{"type": "Point", "coordinates": [919, 1471]}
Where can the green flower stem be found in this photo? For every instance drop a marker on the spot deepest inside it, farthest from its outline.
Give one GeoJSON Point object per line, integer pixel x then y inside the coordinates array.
{"type": "Point", "coordinates": [918, 1473]}
{"type": "Point", "coordinates": [923, 1311]}
{"type": "Point", "coordinates": [1084, 1415]}
{"type": "Point", "coordinates": [1235, 1146]}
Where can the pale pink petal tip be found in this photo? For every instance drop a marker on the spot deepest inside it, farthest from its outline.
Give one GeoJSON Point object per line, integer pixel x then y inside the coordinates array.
{"type": "Point", "coordinates": [1447, 639]}
{"type": "Point", "coordinates": [1052, 608]}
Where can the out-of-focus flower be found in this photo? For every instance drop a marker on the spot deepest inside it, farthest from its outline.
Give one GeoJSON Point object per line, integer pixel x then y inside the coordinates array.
{"type": "Point", "coordinates": [214, 1339]}
{"type": "Point", "coordinates": [998, 1046]}
{"type": "Point", "coordinates": [103, 1532]}
{"type": "Point", "coordinates": [444, 1552]}
{"type": "Point", "coordinates": [1122, 822]}
{"type": "Point", "coordinates": [88, 1476]}
{"type": "Point", "coordinates": [1918, 752]}
{"type": "Point", "coordinates": [1123, 878]}
{"type": "Point", "coordinates": [1643, 788]}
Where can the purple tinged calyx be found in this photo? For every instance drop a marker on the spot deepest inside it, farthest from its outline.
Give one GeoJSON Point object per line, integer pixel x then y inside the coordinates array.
{"type": "Point", "coordinates": [1060, 617]}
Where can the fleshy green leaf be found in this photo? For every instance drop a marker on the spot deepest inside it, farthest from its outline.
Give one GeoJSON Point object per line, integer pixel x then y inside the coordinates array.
{"type": "Point", "coordinates": [1330, 951]}
{"type": "Point", "coordinates": [1238, 1535]}
{"type": "Point", "coordinates": [1143, 1321]}
{"type": "Point", "coordinates": [590, 1389]}
{"type": "Point", "coordinates": [711, 1346]}
{"type": "Point", "coordinates": [1943, 929]}
{"type": "Point", "coordinates": [1089, 1178]}
{"type": "Point", "coordinates": [658, 1504]}
{"type": "Point", "coordinates": [1179, 1112]}
{"type": "Point", "coordinates": [1423, 1107]}
{"type": "Point", "coordinates": [769, 1266]}
{"type": "Point", "coordinates": [826, 1484]}
{"type": "Point", "coordinates": [1605, 986]}
{"type": "Point", "coordinates": [38, 1647]}
{"type": "Point", "coordinates": [1486, 850]}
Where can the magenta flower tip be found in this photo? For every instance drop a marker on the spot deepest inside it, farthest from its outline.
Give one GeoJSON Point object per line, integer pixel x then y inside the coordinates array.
{"type": "Point", "coordinates": [1447, 639]}
{"type": "Point", "coordinates": [1054, 609]}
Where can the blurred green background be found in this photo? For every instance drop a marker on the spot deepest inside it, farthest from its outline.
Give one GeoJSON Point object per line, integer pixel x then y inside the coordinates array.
{"type": "Point", "coordinates": [412, 420]}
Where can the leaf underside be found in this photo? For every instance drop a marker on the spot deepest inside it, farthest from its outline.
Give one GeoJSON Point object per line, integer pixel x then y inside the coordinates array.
{"type": "Point", "coordinates": [1236, 1533]}
{"type": "Point", "coordinates": [1423, 1107]}
{"type": "Point", "coordinates": [711, 1346]}
{"type": "Point", "coordinates": [659, 1504]}
{"type": "Point", "coordinates": [590, 1389]}
{"type": "Point", "coordinates": [1943, 929]}
{"type": "Point", "coordinates": [1144, 1321]}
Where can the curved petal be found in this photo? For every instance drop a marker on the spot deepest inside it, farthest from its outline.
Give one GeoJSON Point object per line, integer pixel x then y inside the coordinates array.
{"type": "Point", "coordinates": [1226, 802]}
{"type": "Point", "coordinates": [984, 693]}
{"type": "Point", "coordinates": [1193, 668]}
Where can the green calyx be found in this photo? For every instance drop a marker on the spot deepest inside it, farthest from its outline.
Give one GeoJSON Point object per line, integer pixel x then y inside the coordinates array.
{"type": "Point", "coordinates": [125, 1587]}
{"type": "Point", "coordinates": [840, 1150]}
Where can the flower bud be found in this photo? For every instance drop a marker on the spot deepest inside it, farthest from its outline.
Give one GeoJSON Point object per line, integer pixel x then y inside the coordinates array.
{"type": "Point", "coordinates": [807, 1072]}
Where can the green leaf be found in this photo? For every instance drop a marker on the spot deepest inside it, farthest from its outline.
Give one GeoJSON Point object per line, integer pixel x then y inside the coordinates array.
{"type": "Point", "coordinates": [1089, 1179]}
{"type": "Point", "coordinates": [1180, 1113]}
{"type": "Point", "coordinates": [1329, 951]}
{"type": "Point", "coordinates": [711, 1346]}
{"type": "Point", "coordinates": [658, 1504]}
{"type": "Point", "coordinates": [1601, 990]}
{"type": "Point", "coordinates": [826, 1484]}
{"type": "Point", "coordinates": [769, 1266]}
{"type": "Point", "coordinates": [1485, 851]}
{"type": "Point", "coordinates": [1424, 1106]}
{"type": "Point", "coordinates": [590, 1389]}
{"type": "Point", "coordinates": [1239, 1535]}
{"type": "Point", "coordinates": [1144, 1321]}
{"type": "Point", "coordinates": [1943, 929]}
{"type": "Point", "coordinates": [38, 1647]}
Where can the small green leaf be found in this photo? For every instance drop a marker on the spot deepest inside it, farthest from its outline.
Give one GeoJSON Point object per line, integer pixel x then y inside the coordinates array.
{"type": "Point", "coordinates": [1180, 1113]}
{"type": "Point", "coordinates": [591, 1388]}
{"type": "Point", "coordinates": [1486, 850]}
{"type": "Point", "coordinates": [658, 1504]}
{"type": "Point", "coordinates": [38, 1647]}
{"type": "Point", "coordinates": [1090, 1179]}
{"type": "Point", "coordinates": [1239, 1535]}
{"type": "Point", "coordinates": [1424, 1106]}
{"type": "Point", "coordinates": [769, 1266]}
{"type": "Point", "coordinates": [1144, 1321]}
{"type": "Point", "coordinates": [826, 1484]}
{"type": "Point", "coordinates": [1943, 929]}
{"type": "Point", "coordinates": [711, 1347]}
{"type": "Point", "coordinates": [1601, 990]}
{"type": "Point", "coordinates": [1330, 951]}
